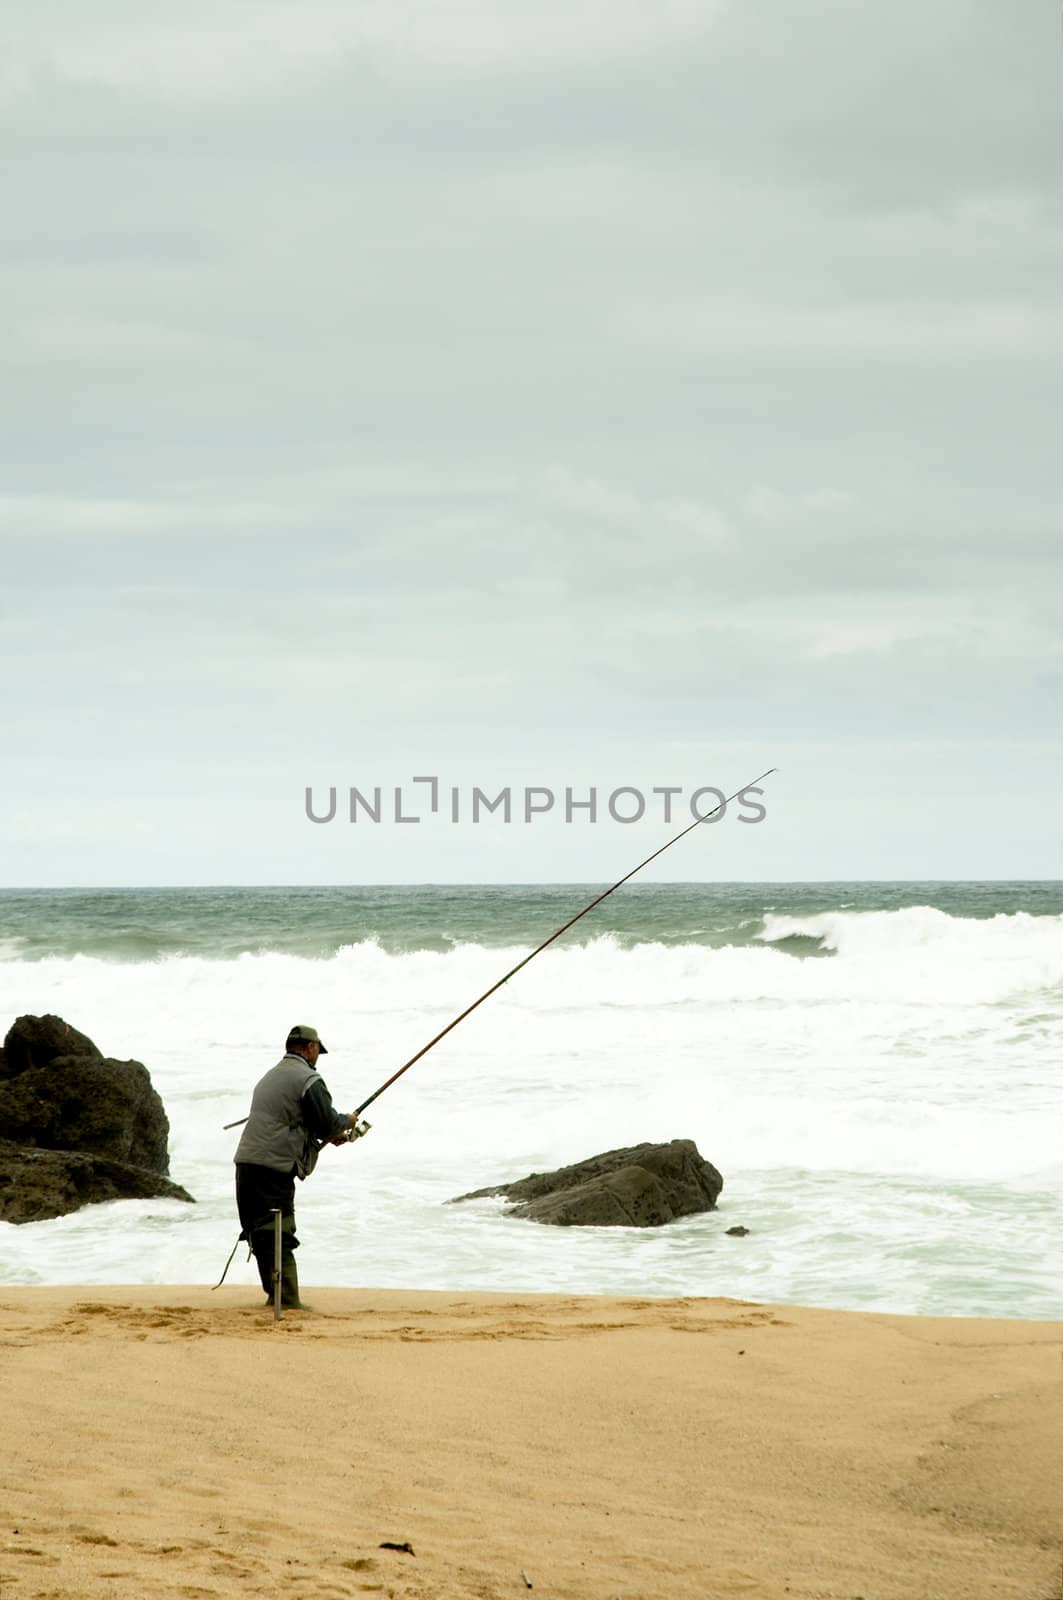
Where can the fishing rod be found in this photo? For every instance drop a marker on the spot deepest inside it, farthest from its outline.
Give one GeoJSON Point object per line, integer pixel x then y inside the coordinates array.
{"type": "Point", "coordinates": [357, 1130]}
{"type": "Point", "coordinates": [546, 942]}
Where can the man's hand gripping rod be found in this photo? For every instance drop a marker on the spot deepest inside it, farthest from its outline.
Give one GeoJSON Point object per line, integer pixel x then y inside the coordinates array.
{"type": "Point", "coordinates": [356, 1130]}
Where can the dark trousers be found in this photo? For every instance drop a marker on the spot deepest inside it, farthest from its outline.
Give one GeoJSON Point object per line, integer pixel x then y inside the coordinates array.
{"type": "Point", "coordinates": [259, 1192]}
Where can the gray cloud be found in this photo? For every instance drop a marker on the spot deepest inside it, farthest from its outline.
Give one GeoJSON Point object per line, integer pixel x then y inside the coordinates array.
{"type": "Point", "coordinates": [588, 380]}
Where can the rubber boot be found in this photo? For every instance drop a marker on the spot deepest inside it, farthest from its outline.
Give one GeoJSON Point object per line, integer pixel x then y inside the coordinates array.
{"type": "Point", "coordinates": [290, 1284]}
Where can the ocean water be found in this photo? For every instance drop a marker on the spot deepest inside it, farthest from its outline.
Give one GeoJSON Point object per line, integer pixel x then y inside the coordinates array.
{"type": "Point", "coordinates": [875, 1068]}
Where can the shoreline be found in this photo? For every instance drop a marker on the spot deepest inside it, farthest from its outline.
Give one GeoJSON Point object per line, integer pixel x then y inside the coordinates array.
{"type": "Point", "coordinates": [173, 1440]}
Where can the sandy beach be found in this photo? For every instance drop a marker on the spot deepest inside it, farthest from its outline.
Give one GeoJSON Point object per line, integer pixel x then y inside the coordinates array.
{"type": "Point", "coordinates": [177, 1442]}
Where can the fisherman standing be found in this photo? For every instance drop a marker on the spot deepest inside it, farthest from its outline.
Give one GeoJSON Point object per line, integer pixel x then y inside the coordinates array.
{"type": "Point", "coordinates": [292, 1118]}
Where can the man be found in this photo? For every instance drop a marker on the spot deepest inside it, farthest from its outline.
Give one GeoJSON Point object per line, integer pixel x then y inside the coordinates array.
{"type": "Point", "coordinates": [292, 1118]}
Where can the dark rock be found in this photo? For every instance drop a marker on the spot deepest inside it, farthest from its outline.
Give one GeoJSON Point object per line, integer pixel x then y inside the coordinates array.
{"type": "Point", "coordinates": [75, 1126]}
{"type": "Point", "coordinates": [737, 1233]}
{"type": "Point", "coordinates": [641, 1187]}
{"type": "Point", "coordinates": [35, 1041]}
{"type": "Point", "coordinates": [36, 1185]}
{"type": "Point", "coordinates": [95, 1105]}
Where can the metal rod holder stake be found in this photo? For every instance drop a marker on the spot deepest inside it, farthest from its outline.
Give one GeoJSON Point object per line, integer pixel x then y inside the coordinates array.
{"type": "Point", "coordinates": [276, 1265]}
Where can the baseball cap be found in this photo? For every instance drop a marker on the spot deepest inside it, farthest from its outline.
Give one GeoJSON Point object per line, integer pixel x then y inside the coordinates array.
{"type": "Point", "coordinates": [301, 1034]}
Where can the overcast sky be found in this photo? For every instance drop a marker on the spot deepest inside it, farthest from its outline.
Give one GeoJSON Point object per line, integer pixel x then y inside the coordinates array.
{"type": "Point", "coordinates": [586, 394]}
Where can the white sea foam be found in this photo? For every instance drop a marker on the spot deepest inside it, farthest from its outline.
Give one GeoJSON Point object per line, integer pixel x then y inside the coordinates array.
{"type": "Point", "coordinates": [920, 952]}
{"type": "Point", "coordinates": [895, 1102]}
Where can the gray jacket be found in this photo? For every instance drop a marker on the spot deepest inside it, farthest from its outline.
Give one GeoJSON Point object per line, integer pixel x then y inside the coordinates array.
{"type": "Point", "coordinates": [284, 1129]}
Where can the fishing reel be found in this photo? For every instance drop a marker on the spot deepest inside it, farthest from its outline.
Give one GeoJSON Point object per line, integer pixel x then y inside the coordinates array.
{"type": "Point", "coordinates": [359, 1131]}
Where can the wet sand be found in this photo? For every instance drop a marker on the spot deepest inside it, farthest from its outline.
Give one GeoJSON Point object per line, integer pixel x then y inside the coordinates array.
{"type": "Point", "coordinates": [176, 1442]}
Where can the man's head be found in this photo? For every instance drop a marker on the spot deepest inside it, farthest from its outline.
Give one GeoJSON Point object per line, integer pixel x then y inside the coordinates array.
{"type": "Point", "coordinates": [304, 1041]}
